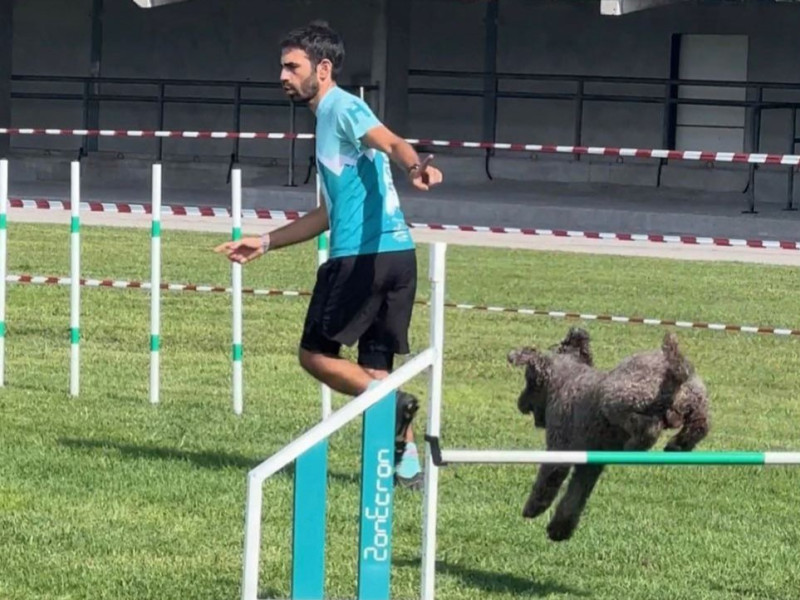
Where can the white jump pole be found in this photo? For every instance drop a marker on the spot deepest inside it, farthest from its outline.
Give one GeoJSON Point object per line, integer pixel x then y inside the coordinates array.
{"type": "Point", "coordinates": [3, 250]}
{"type": "Point", "coordinates": [322, 256]}
{"type": "Point", "coordinates": [436, 274]}
{"type": "Point", "coordinates": [75, 277]}
{"type": "Point", "coordinates": [155, 285]}
{"type": "Point", "coordinates": [236, 290]}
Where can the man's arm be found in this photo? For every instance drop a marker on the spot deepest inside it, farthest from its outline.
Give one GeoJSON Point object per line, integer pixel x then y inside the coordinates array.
{"type": "Point", "coordinates": [306, 227]}
{"type": "Point", "coordinates": [420, 172]}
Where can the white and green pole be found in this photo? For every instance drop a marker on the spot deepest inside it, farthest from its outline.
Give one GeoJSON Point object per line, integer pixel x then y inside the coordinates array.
{"type": "Point", "coordinates": [601, 457]}
{"type": "Point", "coordinates": [322, 256]}
{"type": "Point", "coordinates": [3, 249]}
{"type": "Point", "coordinates": [236, 290]}
{"type": "Point", "coordinates": [155, 284]}
{"type": "Point", "coordinates": [75, 278]}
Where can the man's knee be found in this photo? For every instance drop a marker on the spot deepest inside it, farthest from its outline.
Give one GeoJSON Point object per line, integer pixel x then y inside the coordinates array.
{"type": "Point", "coordinates": [376, 373]}
{"type": "Point", "coordinates": [310, 361]}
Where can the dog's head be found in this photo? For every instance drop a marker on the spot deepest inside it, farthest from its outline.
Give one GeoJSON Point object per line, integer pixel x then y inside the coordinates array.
{"type": "Point", "coordinates": [533, 398]}
{"type": "Point", "coordinates": [576, 344]}
{"type": "Point", "coordinates": [538, 365]}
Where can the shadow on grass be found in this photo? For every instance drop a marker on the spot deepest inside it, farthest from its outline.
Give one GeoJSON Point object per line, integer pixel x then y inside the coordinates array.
{"type": "Point", "coordinates": [493, 582]}
{"type": "Point", "coordinates": [205, 460]}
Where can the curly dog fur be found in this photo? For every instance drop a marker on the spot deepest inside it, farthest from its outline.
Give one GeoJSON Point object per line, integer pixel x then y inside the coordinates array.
{"type": "Point", "coordinates": [584, 408]}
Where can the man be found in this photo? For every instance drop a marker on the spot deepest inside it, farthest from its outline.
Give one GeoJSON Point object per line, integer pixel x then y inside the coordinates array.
{"type": "Point", "coordinates": [365, 291]}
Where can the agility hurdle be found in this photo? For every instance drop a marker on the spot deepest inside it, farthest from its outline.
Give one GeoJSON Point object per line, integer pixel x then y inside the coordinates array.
{"type": "Point", "coordinates": [377, 404]}
{"type": "Point", "coordinates": [437, 458]}
{"type": "Point", "coordinates": [308, 537]}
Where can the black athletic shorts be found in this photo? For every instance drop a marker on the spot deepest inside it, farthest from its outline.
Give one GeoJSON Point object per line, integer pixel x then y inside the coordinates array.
{"type": "Point", "coordinates": [367, 298]}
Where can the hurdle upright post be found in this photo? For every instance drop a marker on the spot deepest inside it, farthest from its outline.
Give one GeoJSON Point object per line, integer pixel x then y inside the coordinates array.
{"type": "Point", "coordinates": [236, 290]}
{"type": "Point", "coordinates": [3, 250]}
{"type": "Point", "coordinates": [155, 284]}
{"type": "Point", "coordinates": [322, 256]}
{"type": "Point", "coordinates": [436, 274]}
{"type": "Point", "coordinates": [75, 277]}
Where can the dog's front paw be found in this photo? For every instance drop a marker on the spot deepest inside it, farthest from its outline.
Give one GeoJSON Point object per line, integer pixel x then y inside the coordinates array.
{"type": "Point", "coordinates": [559, 531]}
{"type": "Point", "coordinates": [533, 509]}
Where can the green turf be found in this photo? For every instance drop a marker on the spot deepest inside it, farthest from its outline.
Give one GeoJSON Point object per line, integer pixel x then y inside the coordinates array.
{"type": "Point", "coordinates": [104, 496]}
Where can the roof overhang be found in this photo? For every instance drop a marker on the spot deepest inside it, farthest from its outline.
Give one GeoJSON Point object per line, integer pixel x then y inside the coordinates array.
{"type": "Point", "coordinates": [155, 3]}
{"type": "Point", "coordinates": [623, 7]}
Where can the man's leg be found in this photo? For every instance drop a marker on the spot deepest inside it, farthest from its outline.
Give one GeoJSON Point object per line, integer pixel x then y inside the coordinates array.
{"type": "Point", "coordinates": [348, 378]}
{"type": "Point", "coordinates": [337, 373]}
{"type": "Point", "coordinates": [408, 470]}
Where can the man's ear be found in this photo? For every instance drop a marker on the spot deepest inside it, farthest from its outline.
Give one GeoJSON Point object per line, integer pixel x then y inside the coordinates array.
{"type": "Point", "coordinates": [324, 69]}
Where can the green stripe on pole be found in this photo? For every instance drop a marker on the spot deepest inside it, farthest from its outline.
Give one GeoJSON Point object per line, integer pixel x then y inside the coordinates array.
{"type": "Point", "coordinates": [3, 219]}
{"type": "Point", "coordinates": [155, 230]}
{"type": "Point", "coordinates": [675, 458]}
{"type": "Point", "coordinates": [75, 225]}
{"type": "Point", "coordinates": [74, 335]}
{"type": "Point", "coordinates": [237, 234]}
{"type": "Point", "coordinates": [2, 329]}
{"type": "Point", "coordinates": [322, 242]}
{"type": "Point", "coordinates": [155, 342]}
{"type": "Point", "coordinates": [237, 352]}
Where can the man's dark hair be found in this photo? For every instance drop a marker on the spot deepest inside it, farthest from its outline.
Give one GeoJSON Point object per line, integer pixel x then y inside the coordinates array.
{"type": "Point", "coordinates": [319, 42]}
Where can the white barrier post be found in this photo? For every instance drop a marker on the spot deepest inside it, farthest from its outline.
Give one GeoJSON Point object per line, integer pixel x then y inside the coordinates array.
{"type": "Point", "coordinates": [236, 290]}
{"type": "Point", "coordinates": [3, 249]}
{"type": "Point", "coordinates": [155, 285]}
{"type": "Point", "coordinates": [436, 274]}
{"type": "Point", "coordinates": [322, 256]}
{"type": "Point", "coordinates": [75, 277]}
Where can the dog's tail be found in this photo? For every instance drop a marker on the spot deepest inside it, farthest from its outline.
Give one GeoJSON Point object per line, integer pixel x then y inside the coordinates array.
{"type": "Point", "coordinates": [679, 368]}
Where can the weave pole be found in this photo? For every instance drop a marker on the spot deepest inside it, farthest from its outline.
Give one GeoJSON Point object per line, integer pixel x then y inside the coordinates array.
{"type": "Point", "coordinates": [155, 288]}
{"type": "Point", "coordinates": [236, 289]}
{"type": "Point", "coordinates": [75, 278]}
{"type": "Point", "coordinates": [3, 250]}
{"type": "Point", "coordinates": [322, 256]}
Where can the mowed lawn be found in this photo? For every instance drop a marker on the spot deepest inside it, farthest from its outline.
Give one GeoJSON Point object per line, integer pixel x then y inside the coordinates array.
{"type": "Point", "coordinates": [107, 497]}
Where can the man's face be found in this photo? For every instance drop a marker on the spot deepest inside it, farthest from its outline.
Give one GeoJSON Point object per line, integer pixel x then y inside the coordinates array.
{"type": "Point", "coordinates": [298, 77]}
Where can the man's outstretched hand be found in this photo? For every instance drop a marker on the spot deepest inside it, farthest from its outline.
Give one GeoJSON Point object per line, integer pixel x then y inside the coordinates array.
{"type": "Point", "coordinates": [425, 175]}
{"type": "Point", "coordinates": [243, 250]}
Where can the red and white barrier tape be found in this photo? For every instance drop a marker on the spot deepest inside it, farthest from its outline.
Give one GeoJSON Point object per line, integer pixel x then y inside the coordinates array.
{"type": "Point", "coordinates": [690, 155]}
{"type": "Point", "coordinates": [184, 287]}
{"type": "Point", "coordinates": [222, 212]}
{"type": "Point", "coordinates": [141, 133]}
{"type": "Point", "coordinates": [146, 209]}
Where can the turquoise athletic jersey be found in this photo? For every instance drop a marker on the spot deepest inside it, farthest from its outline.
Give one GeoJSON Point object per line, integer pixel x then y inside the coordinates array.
{"type": "Point", "coordinates": [363, 206]}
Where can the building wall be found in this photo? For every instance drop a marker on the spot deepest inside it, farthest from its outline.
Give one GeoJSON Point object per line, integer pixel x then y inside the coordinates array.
{"type": "Point", "coordinates": [237, 40]}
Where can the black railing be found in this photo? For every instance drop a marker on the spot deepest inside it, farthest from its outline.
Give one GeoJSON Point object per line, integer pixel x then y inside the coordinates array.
{"type": "Point", "coordinates": [666, 93]}
{"type": "Point", "coordinates": [91, 97]}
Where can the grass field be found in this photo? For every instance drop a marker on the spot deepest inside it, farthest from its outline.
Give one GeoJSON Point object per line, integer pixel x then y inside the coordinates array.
{"type": "Point", "coordinates": [107, 497]}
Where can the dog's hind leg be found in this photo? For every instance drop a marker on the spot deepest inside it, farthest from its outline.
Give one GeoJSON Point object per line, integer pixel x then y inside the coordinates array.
{"type": "Point", "coordinates": [569, 509]}
{"type": "Point", "coordinates": [545, 489]}
{"type": "Point", "coordinates": [643, 431]}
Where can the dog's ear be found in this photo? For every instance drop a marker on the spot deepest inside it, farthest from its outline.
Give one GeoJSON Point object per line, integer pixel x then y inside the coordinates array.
{"type": "Point", "coordinates": [577, 342]}
{"type": "Point", "coordinates": [522, 356]}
